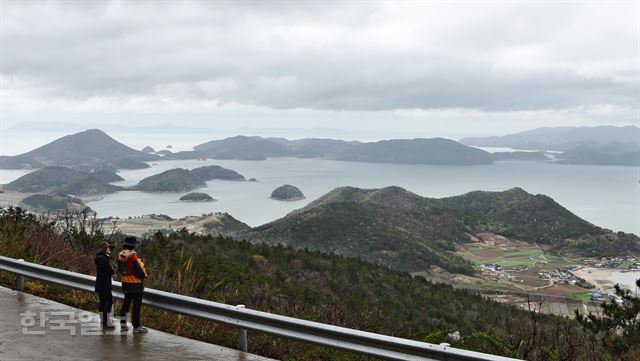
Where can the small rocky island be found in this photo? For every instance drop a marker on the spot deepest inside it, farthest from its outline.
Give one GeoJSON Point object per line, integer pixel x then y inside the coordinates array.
{"type": "Point", "coordinates": [287, 192]}
{"type": "Point", "coordinates": [148, 149]}
{"type": "Point", "coordinates": [197, 197]}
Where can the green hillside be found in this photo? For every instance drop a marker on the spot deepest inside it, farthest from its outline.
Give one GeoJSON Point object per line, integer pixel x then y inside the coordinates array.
{"type": "Point", "coordinates": [402, 230]}
{"type": "Point", "coordinates": [304, 284]}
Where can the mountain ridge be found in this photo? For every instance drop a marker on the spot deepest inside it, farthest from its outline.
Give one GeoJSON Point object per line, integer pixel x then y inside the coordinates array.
{"type": "Point", "coordinates": [404, 231]}
{"type": "Point", "coordinates": [400, 151]}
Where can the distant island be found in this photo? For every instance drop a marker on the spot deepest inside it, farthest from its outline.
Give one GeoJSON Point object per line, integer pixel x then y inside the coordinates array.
{"type": "Point", "coordinates": [403, 151]}
{"type": "Point", "coordinates": [51, 203]}
{"type": "Point", "coordinates": [611, 154]}
{"type": "Point", "coordinates": [90, 148]}
{"type": "Point", "coordinates": [211, 172]}
{"type": "Point", "coordinates": [559, 138]}
{"type": "Point", "coordinates": [197, 197]}
{"type": "Point", "coordinates": [287, 192]}
{"type": "Point", "coordinates": [58, 180]}
{"type": "Point", "coordinates": [94, 150]}
{"type": "Point", "coordinates": [180, 180]}
{"type": "Point", "coordinates": [603, 145]}
{"type": "Point", "coordinates": [522, 156]}
{"type": "Point", "coordinates": [172, 180]}
{"type": "Point", "coordinates": [62, 180]}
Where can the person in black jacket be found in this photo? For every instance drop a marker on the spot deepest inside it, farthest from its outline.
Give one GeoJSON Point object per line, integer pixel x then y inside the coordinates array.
{"type": "Point", "coordinates": [104, 272]}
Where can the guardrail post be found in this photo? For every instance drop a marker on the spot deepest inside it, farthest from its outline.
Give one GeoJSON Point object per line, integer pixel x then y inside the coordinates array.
{"type": "Point", "coordinates": [242, 337]}
{"type": "Point", "coordinates": [20, 280]}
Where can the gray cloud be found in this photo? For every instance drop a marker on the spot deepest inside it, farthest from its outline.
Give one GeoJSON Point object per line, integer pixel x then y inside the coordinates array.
{"type": "Point", "coordinates": [324, 55]}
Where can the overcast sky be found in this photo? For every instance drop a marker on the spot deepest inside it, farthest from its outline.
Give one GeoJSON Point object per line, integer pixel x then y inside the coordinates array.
{"type": "Point", "coordinates": [360, 69]}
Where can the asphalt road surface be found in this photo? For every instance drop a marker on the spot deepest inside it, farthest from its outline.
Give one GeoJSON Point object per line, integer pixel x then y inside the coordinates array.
{"type": "Point", "coordinates": [34, 328]}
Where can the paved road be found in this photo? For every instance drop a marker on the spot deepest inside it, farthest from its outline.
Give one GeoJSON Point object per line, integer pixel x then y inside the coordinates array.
{"type": "Point", "coordinates": [73, 334]}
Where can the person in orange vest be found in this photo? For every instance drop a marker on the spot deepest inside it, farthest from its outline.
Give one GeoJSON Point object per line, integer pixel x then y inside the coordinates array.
{"type": "Point", "coordinates": [132, 276]}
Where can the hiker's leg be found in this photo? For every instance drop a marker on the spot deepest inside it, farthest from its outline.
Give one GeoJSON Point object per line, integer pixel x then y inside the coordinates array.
{"type": "Point", "coordinates": [125, 308]}
{"type": "Point", "coordinates": [102, 306]}
{"type": "Point", "coordinates": [137, 304]}
{"type": "Point", "coordinates": [106, 311]}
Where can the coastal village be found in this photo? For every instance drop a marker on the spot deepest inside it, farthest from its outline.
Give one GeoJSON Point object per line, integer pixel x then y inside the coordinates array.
{"type": "Point", "coordinates": [567, 275]}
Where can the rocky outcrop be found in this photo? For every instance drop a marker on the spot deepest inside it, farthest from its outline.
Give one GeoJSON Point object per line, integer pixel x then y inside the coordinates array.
{"type": "Point", "coordinates": [287, 192]}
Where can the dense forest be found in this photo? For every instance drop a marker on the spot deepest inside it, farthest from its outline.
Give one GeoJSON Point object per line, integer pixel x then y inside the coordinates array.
{"type": "Point", "coordinates": [310, 285]}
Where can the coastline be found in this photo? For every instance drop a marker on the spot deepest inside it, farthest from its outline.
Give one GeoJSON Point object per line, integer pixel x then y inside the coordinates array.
{"type": "Point", "coordinates": [602, 278]}
{"type": "Point", "coordinates": [599, 277]}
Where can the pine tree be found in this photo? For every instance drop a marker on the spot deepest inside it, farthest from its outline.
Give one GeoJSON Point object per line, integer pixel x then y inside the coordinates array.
{"type": "Point", "coordinates": [618, 326]}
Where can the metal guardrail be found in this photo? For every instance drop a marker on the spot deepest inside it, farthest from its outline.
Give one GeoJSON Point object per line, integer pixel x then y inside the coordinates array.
{"type": "Point", "coordinates": [346, 339]}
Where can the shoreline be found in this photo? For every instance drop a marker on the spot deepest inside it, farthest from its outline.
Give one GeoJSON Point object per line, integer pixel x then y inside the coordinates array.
{"type": "Point", "coordinates": [601, 278]}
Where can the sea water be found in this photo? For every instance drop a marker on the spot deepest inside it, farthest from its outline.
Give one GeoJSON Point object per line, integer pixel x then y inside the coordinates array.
{"type": "Point", "coordinates": [605, 196]}
{"type": "Point", "coordinates": [626, 280]}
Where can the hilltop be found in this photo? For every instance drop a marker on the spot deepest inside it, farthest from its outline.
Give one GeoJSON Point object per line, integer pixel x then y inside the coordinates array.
{"type": "Point", "coordinates": [404, 151]}
{"type": "Point", "coordinates": [91, 147]}
{"type": "Point", "coordinates": [387, 226]}
{"type": "Point", "coordinates": [402, 230]}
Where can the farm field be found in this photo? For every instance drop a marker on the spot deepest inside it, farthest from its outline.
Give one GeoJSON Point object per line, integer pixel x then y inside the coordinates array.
{"type": "Point", "coordinates": [519, 264]}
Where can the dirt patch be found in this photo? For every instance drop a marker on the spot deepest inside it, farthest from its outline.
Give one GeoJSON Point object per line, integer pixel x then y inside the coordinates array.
{"type": "Point", "coordinates": [561, 290]}
{"type": "Point", "coordinates": [436, 275]}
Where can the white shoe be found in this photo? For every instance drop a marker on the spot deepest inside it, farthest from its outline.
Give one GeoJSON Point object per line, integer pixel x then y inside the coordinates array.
{"type": "Point", "coordinates": [140, 330]}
